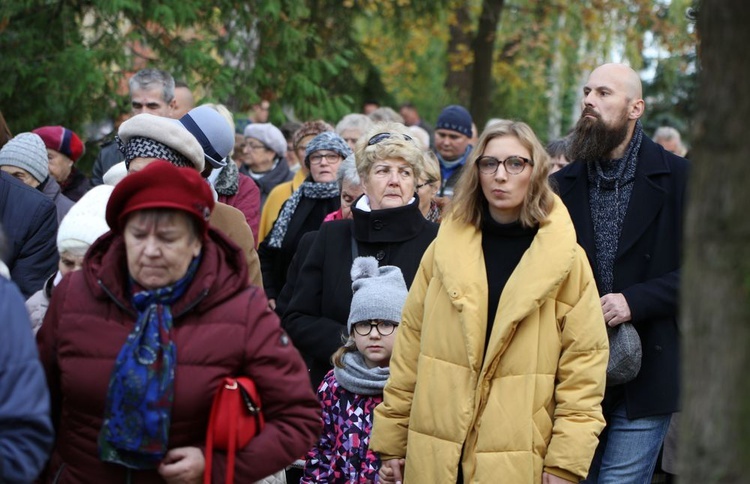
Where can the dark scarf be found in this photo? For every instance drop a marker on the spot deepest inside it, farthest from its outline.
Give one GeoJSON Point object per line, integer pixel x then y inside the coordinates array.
{"type": "Point", "coordinates": [138, 410]}
{"type": "Point", "coordinates": [308, 189]}
{"type": "Point", "coordinates": [358, 378]}
{"type": "Point", "coordinates": [610, 187]}
{"type": "Point", "coordinates": [228, 181]}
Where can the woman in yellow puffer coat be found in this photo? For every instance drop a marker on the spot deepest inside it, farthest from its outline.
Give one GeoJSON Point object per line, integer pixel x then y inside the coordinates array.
{"type": "Point", "coordinates": [499, 367]}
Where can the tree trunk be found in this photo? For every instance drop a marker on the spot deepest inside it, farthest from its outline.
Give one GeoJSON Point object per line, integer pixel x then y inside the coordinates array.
{"type": "Point", "coordinates": [555, 81]}
{"type": "Point", "coordinates": [458, 80]}
{"type": "Point", "coordinates": [484, 48]}
{"type": "Point", "coordinates": [715, 426]}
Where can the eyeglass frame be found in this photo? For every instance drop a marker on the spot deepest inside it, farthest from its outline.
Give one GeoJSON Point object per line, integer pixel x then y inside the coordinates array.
{"type": "Point", "coordinates": [326, 156]}
{"type": "Point", "coordinates": [502, 162]}
{"type": "Point", "coordinates": [375, 139]}
{"type": "Point", "coordinates": [374, 324]}
{"type": "Point", "coordinates": [428, 182]}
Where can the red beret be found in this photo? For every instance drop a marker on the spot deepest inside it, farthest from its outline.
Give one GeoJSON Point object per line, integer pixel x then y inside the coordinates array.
{"type": "Point", "coordinates": [161, 185]}
{"type": "Point", "coordinates": [61, 139]}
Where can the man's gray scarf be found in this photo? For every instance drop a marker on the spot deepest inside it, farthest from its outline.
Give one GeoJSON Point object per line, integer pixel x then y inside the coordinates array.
{"type": "Point", "coordinates": [610, 187]}
{"type": "Point", "coordinates": [228, 181]}
{"type": "Point", "coordinates": [308, 189]}
{"type": "Point", "coordinates": [356, 377]}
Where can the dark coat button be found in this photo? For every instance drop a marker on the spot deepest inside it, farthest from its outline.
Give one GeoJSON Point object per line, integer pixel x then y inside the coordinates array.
{"type": "Point", "coordinates": [380, 255]}
{"type": "Point", "coordinates": [377, 224]}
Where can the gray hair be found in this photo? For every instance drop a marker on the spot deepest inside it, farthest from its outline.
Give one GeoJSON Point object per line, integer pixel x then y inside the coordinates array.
{"type": "Point", "coordinates": [667, 133]}
{"type": "Point", "coordinates": [386, 114]}
{"type": "Point", "coordinates": [360, 122]}
{"type": "Point", "coordinates": [348, 172]}
{"type": "Point", "coordinates": [147, 79]}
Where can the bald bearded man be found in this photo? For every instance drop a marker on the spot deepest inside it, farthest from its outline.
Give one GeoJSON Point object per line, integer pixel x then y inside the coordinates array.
{"type": "Point", "coordinates": [626, 196]}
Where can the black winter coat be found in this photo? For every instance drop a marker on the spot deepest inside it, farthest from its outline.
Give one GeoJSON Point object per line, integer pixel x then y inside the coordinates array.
{"type": "Point", "coordinates": [646, 270]}
{"type": "Point", "coordinates": [319, 307]}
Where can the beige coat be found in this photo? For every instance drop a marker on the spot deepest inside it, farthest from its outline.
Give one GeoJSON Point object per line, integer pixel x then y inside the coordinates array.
{"type": "Point", "coordinates": [532, 403]}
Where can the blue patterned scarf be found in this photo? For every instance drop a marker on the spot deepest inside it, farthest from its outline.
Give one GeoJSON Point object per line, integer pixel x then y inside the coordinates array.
{"type": "Point", "coordinates": [138, 411]}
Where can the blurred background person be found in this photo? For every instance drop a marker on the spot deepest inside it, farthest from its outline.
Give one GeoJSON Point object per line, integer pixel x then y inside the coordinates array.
{"type": "Point", "coordinates": [411, 116]}
{"type": "Point", "coordinates": [427, 188]}
{"type": "Point", "coordinates": [212, 125]}
{"type": "Point", "coordinates": [64, 149]}
{"type": "Point", "coordinates": [352, 127]}
{"type": "Point", "coordinates": [350, 186]}
{"type": "Point", "coordinates": [167, 313]}
{"type": "Point", "coordinates": [283, 191]}
{"type": "Point", "coordinates": [79, 229]}
{"type": "Point", "coordinates": [557, 151]}
{"type": "Point", "coordinates": [5, 133]}
{"type": "Point", "coordinates": [453, 132]}
{"type": "Point", "coordinates": [183, 100]}
{"type": "Point", "coordinates": [304, 211]}
{"type": "Point", "coordinates": [669, 139]}
{"type": "Point", "coordinates": [265, 148]}
{"type": "Point", "coordinates": [288, 129]}
{"type": "Point", "coordinates": [25, 158]}
{"type": "Point", "coordinates": [152, 92]}
{"type": "Point", "coordinates": [503, 274]}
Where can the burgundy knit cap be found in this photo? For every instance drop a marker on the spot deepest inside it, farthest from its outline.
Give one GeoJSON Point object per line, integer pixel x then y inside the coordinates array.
{"type": "Point", "coordinates": [161, 185]}
{"type": "Point", "coordinates": [63, 140]}
{"type": "Point", "coordinates": [310, 128]}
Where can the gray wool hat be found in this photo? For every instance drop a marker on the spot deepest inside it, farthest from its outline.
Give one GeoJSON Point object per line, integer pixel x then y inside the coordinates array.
{"type": "Point", "coordinates": [269, 135]}
{"type": "Point", "coordinates": [27, 151]}
{"type": "Point", "coordinates": [213, 133]}
{"type": "Point", "coordinates": [327, 140]}
{"type": "Point", "coordinates": [379, 292]}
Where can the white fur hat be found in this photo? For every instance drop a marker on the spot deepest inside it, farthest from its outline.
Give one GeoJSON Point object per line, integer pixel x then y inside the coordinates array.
{"type": "Point", "coordinates": [85, 221]}
{"type": "Point", "coordinates": [166, 131]}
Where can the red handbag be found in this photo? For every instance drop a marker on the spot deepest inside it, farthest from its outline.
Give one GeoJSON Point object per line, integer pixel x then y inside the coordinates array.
{"type": "Point", "coordinates": [236, 418]}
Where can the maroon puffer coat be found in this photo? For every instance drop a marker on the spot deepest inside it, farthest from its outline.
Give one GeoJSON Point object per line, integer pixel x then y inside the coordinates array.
{"type": "Point", "coordinates": [222, 327]}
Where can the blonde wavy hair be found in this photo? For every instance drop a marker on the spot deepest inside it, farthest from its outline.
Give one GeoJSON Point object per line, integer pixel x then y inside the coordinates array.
{"type": "Point", "coordinates": [396, 147]}
{"type": "Point", "coordinates": [468, 201]}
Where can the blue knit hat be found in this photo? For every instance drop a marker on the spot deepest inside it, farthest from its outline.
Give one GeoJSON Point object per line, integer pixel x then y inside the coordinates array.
{"type": "Point", "coordinates": [327, 140]}
{"type": "Point", "coordinates": [455, 118]}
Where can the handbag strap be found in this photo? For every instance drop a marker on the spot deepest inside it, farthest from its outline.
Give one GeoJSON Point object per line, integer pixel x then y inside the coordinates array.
{"type": "Point", "coordinates": [229, 385]}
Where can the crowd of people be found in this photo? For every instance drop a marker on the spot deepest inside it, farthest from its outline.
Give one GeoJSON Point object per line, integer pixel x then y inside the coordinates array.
{"type": "Point", "coordinates": [414, 303]}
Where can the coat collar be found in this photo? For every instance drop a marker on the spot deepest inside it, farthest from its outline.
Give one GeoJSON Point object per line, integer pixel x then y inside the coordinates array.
{"type": "Point", "coordinates": [388, 225]}
{"type": "Point", "coordinates": [460, 264]}
{"type": "Point", "coordinates": [646, 200]}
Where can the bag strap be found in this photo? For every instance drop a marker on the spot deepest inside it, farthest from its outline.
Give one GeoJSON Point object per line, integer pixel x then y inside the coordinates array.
{"type": "Point", "coordinates": [230, 389]}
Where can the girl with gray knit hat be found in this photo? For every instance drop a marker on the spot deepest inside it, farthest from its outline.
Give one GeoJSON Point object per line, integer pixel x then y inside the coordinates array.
{"type": "Point", "coordinates": [350, 392]}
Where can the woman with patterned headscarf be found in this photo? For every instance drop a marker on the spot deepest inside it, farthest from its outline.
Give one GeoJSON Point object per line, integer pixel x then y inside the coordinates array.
{"type": "Point", "coordinates": [304, 211]}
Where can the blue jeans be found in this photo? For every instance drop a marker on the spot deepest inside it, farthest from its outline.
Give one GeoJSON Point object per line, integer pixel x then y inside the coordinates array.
{"type": "Point", "coordinates": [628, 449]}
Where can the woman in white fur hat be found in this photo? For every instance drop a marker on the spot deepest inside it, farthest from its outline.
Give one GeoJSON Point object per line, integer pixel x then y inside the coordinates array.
{"type": "Point", "coordinates": [83, 224]}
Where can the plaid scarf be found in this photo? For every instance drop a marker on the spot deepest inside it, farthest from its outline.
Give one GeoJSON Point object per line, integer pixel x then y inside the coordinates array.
{"type": "Point", "coordinates": [139, 147]}
{"type": "Point", "coordinates": [308, 189]}
{"type": "Point", "coordinates": [138, 410]}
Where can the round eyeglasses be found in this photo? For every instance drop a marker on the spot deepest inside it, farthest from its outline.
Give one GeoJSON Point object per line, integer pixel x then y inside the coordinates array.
{"type": "Point", "coordinates": [364, 328]}
{"type": "Point", "coordinates": [514, 165]}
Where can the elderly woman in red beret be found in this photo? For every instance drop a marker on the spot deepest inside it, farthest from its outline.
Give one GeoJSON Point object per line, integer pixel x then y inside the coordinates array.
{"type": "Point", "coordinates": [136, 344]}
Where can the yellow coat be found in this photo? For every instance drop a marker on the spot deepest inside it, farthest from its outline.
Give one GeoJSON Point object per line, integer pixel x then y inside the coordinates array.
{"type": "Point", "coordinates": [532, 403]}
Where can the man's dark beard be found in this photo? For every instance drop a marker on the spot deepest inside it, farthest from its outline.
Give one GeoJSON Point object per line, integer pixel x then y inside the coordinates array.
{"type": "Point", "coordinates": [593, 140]}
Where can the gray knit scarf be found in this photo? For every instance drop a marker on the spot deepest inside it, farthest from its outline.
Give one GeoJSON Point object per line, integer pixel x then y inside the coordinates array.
{"type": "Point", "coordinates": [356, 377]}
{"type": "Point", "coordinates": [228, 181]}
{"type": "Point", "coordinates": [610, 187]}
{"type": "Point", "coordinates": [308, 189]}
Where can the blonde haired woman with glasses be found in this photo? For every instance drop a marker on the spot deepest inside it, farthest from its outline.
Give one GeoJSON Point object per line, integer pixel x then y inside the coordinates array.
{"type": "Point", "coordinates": [504, 329]}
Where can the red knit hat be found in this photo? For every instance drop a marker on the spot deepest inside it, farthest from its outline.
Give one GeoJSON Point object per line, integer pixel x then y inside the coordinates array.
{"type": "Point", "coordinates": [161, 185]}
{"type": "Point", "coordinates": [63, 140]}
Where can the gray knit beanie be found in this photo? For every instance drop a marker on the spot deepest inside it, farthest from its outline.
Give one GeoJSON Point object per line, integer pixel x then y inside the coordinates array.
{"type": "Point", "coordinates": [327, 140]}
{"type": "Point", "coordinates": [379, 292]}
{"type": "Point", "coordinates": [27, 151]}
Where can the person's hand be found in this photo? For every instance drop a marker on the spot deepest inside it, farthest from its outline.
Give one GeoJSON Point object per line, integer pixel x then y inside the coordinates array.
{"type": "Point", "coordinates": [272, 304]}
{"type": "Point", "coordinates": [183, 465]}
{"type": "Point", "coordinates": [615, 308]}
{"type": "Point", "coordinates": [391, 471]}
{"type": "Point", "coordinates": [553, 479]}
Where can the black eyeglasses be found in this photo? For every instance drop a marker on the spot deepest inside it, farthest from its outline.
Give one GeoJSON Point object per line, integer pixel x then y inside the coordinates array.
{"type": "Point", "coordinates": [428, 182]}
{"type": "Point", "coordinates": [381, 136]}
{"type": "Point", "coordinates": [364, 328]}
{"type": "Point", "coordinates": [514, 165]}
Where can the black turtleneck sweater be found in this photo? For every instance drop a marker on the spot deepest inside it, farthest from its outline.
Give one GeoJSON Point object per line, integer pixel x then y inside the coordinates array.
{"type": "Point", "coordinates": [503, 246]}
